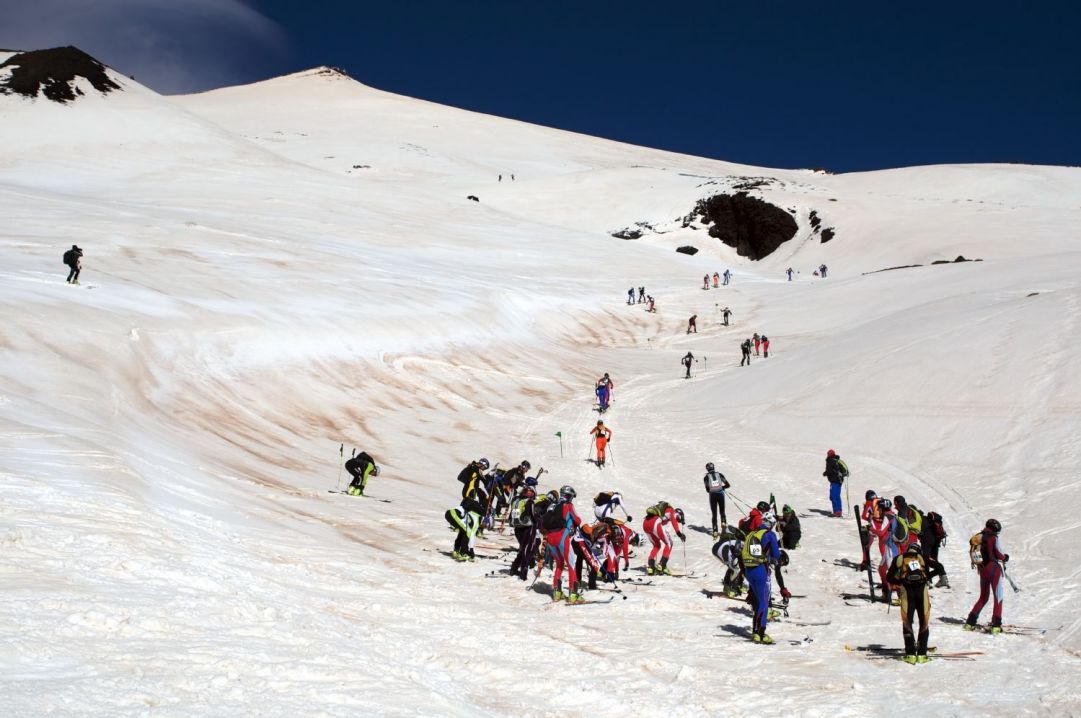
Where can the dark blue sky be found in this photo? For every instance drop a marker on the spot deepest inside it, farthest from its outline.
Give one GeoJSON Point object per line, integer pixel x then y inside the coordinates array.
{"type": "Point", "coordinates": [841, 85]}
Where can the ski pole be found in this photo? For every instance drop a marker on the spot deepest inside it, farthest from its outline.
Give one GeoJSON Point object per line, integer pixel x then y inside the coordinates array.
{"type": "Point", "coordinates": [1008, 578]}
{"type": "Point", "coordinates": [341, 465]}
{"type": "Point", "coordinates": [612, 455]}
{"type": "Point", "coordinates": [847, 501]}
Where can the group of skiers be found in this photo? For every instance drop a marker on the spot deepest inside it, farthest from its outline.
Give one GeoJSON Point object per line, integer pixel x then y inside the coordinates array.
{"type": "Point", "coordinates": [727, 277]}
{"type": "Point", "coordinates": [759, 343]}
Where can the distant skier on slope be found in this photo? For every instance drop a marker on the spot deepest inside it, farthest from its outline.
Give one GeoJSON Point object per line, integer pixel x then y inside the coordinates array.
{"type": "Point", "coordinates": [687, 361]}
{"type": "Point", "coordinates": [727, 277]}
{"type": "Point", "coordinates": [765, 346]}
{"type": "Point", "coordinates": [716, 280]}
{"type": "Point", "coordinates": [836, 472]}
{"type": "Point", "coordinates": [652, 304]}
{"type": "Point", "coordinates": [73, 258]}
{"type": "Point", "coordinates": [757, 343]}
{"type": "Point", "coordinates": [909, 573]}
{"type": "Point", "coordinates": [789, 273]}
{"type": "Point", "coordinates": [630, 296]}
{"type": "Point", "coordinates": [991, 561]}
{"type": "Point", "coordinates": [602, 396]}
{"type": "Point", "coordinates": [705, 282]}
{"type": "Point", "coordinates": [660, 517]}
{"type": "Point", "coordinates": [360, 467]}
{"type": "Point", "coordinates": [822, 269]}
{"type": "Point", "coordinates": [716, 484]}
{"type": "Point", "coordinates": [725, 314]}
{"type": "Point", "coordinates": [601, 436]}
{"type": "Point", "coordinates": [609, 385]}
{"type": "Point", "coordinates": [692, 324]}
{"type": "Point", "coordinates": [641, 295]}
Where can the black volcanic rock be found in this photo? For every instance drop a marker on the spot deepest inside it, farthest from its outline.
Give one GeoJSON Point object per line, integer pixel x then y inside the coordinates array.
{"type": "Point", "coordinates": [687, 249]}
{"type": "Point", "coordinates": [53, 72]}
{"type": "Point", "coordinates": [753, 227]}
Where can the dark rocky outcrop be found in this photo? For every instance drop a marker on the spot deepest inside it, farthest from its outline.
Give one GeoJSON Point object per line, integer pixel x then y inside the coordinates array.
{"type": "Point", "coordinates": [960, 258]}
{"type": "Point", "coordinates": [627, 234]}
{"type": "Point", "coordinates": [52, 73]}
{"type": "Point", "coordinates": [754, 228]}
{"type": "Point", "coordinates": [827, 234]}
{"type": "Point", "coordinates": [687, 249]}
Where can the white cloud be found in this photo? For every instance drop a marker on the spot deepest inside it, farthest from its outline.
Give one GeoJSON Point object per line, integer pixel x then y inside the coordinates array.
{"type": "Point", "coordinates": [169, 45]}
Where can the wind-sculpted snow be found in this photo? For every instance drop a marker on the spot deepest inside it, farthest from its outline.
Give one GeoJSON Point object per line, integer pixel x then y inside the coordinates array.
{"type": "Point", "coordinates": [170, 428]}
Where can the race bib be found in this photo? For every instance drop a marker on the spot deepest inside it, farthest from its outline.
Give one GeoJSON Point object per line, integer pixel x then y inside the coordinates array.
{"type": "Point", "coordinates": [755, 550]}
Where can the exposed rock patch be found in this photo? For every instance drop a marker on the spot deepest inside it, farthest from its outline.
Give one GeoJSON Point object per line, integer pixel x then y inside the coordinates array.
{"type": "Point", "coordinates": [687, 249]}
{"type": "Point", "coordinates": [52, 73]}
{"type": "Point", "coordinates": [753, 227]}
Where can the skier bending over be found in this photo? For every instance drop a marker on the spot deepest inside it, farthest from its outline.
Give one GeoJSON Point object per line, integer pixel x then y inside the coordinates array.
{"type": "Point", "coordinates": [73, 258]}
{"type": "Point", "coordinates": [745, 347]}
{"type": "Point", "coordinates": [606, 503]}
{"type": "Point", "coordinates": [658, 517]}
{"type": "Point", "coordinates": [692, 324]}
{"type": "Point", "coordinates": [360, 467]}
{"type": "Point", "coordinates": [715, 484]}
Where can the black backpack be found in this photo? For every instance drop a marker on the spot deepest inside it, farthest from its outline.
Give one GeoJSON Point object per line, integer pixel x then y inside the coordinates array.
{"type": "Point", "coordinates": [553, 517]}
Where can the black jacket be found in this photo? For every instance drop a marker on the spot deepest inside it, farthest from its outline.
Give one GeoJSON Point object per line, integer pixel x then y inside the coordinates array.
{"type": "Point", "coordinates": [835, 469]}
{"type": "Point", "coordinates": [72, 256]}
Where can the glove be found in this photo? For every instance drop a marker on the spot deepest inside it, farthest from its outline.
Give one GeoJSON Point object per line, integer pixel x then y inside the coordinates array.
{"type": "Point", "coordinates": [786, 594]}
{"type": "Point", "coordinates": [683, 537]}
{"type": "Point", "coordinates": [630, 518]}
{"type": "Point", "coordinates": [1006, 558]}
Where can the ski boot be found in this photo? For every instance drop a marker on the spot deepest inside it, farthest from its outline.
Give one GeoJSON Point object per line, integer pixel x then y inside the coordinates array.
{"type": "Point", "coordinates": [352, 490]}
{"type": "Point", "coordinates": [716, 533]}
{"type": "Point", "coordinates": [995, 630]}
{"type": "Point", "coordinates": [470, 557]}
{"type": "Point", "coordinates": [772, 615]}
{"type": "Point", "coordinates": [457, 556]}
{"type": "Point", "coordinates": [765, 640]}
{"type": "Point", "coordinates": [651, 569]}
{"type": "Point", "coordinates": [663, 568]}
{"type": "Point", "coordinates": [557, 596]}
{"type": "Point", "coordinates": [574, 598]}
{"type": "Point", "coordinates": [970, 627]}
{"type": "Point", "coordinates": [922, 659]}
{"type": "Point", "coordinates": [866, 565]}
{"type": "Point", "coordinates": [730, 592]}
{"type": "Point", "coordinates": [909, 659]}
{"type": "Point", "coordinates": [943, 582]}
{"type": "Point", "coordinates": [756, 638]}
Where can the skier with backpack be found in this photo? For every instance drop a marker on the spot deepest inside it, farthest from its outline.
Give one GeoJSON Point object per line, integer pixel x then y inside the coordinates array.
{"type": "Point", "coordinates": [560, 522]}
{"type": "Point", "coordinates": [909, 573]}
{"type": "Point", "coordinates": [932, 537]}
{"type": "Point", "coordinates": [715, 484]}
{"type": "Point", "coordinates": [659, 518]}
{"type": "Point", "coordinates": [790, 529]}
{"type": "Point", "coordinates": [745, 347]}
{"type": "Point", "coordinates": [836, 472]}
{"type": "Point", "coordinates": [525, 529]}
{"type": "Point", "coordinates": [588, 544]}
{"type": "Point", "coordinates": [630, 296]}
{"type": "Point", "coordinates": [360, 467]}
{"type": "Point", "coordinates": [888, 532]}
{"type": "Point", "coordinates": [73, 258]}
{"type": "Point", "coordinates": [725, 314]}
{"type": "Point", "coordinates": [607, 380]}
{"type": "Point", "coordinates": [760, 550]}
{"type": "Point", "coordinates": [986, 555]}
{"type": "Point", "coordinates": [605, 504]}
{"type": "Point", "coordinates": [870, 511]}
{"type": "Point", "coordinates": [466, 517]}
{"type": "Point", "coordinates": [729, 550]}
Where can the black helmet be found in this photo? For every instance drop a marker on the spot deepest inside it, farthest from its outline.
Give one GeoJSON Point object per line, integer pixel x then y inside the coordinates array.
{"type": "Point", "coordinates": [885, 504]}
{"type": "Point", "coordinates": [709, 466]}
{"type": "Point", "coordinates": [679, 513]}
{"type": "Point", "coordinates": [913, 548]}
{"type": "Point", "coordinates": [763, 506]}
{"type": "Point", "coordinates": [483, 463]}
{"type": "Point", "coordinates": [568, 492]}
{"type": "Point", "coordinates": [993, 525]}
{"type": "Point", "coordinates": [870, 495]}
{"type": "Point", "coordinates": [899, 501]}
{"type": "Point", "coordinates": [784, 558]}
{"type": "Point", "coordinates": [525, 465]}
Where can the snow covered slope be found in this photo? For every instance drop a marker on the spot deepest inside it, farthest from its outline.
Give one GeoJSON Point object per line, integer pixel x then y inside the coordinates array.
{"type": "Point", "coordinates": [251, 301]}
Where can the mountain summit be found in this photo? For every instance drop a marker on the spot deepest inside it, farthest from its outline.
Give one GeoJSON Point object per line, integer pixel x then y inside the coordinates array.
{"type": "Point", "coordinates": [54, 73]}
